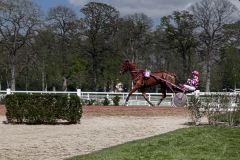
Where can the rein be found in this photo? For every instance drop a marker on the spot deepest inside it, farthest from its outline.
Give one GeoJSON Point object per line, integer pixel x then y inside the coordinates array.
{"type": "Point", "coordinates": [133, 77]}
{"type": "Point", "coordinates": [135, 70]}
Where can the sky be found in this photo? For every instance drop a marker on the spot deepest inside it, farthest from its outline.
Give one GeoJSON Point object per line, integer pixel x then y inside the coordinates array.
{"type": "Point", "coordinates": [154, 9]}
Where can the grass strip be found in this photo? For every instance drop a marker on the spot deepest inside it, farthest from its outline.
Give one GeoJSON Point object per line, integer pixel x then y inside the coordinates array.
{"type": "Point", "coordinates": [205, 143]}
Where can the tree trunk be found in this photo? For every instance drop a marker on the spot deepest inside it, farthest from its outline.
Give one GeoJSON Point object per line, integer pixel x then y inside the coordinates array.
{"type": "Point", "coordinates": [94, 74]}
{"type": "Point", "coordinates": [64, 76]}
{"type": "Point", "coordinates": [111, 86]}
{"type": "Point", "coordinates": [104, 88]}
{"type": "Point", "coordinates": [185, 67]}
{"type": "Point", "coordinates": [208, 77]}
{"type": "Point", "coordinates": [43, 81]}
{"type": "Point", "coordinates": [64, 83]}
{"type": "Point", "coordinates": [26, 81]}
{"type": "Point", "coordinates": [43, 77]}
{"type": "Point", "coordinates": [13, 76]}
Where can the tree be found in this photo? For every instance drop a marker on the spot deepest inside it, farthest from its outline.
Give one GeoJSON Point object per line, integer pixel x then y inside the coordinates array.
{"type": "Point", "coordinates": [228, 68]}
{"type": "Point", "coordinates": [100, 21]}
{"type": "Point", "coordinates": [27, 68]}
{"type": "Point", "coordinates": [229, 72]}
{"type": "Point", "coordinates": [211, 16]}
{"type": "Point", "coordinates": [232, 33]}
{"type": "Point", "coordinates": [43, 47]}
{"type": "Point", "coordinates": [19, 20]}
{"type": "Point", "coordinates": [135, 37]}
{"type": "Point", "coordinates": [179, 31]}
{"type": "Point", "coordinates": [62, 20]}
{"type": "Point", "coordinates": [4, 69]}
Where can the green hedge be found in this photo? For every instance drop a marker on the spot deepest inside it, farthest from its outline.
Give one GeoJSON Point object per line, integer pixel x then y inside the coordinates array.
{"type": "Point", "coordinates": [42, 108]}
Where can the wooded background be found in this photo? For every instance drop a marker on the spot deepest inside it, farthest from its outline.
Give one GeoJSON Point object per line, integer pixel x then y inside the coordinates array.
{"type": "Point", "coordinates": [60, 51]}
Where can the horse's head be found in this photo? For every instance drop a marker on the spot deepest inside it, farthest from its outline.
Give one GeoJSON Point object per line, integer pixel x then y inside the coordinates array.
{"type": "Point", "coordinates": [125, 67]}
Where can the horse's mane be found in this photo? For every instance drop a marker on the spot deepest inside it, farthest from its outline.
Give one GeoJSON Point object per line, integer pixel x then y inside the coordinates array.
{"type": "Point", "coordinates": [134, 65]}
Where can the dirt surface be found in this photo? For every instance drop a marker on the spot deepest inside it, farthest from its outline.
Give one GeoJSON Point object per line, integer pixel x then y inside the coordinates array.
{"type": "Point", "coordinates": [101, 127]}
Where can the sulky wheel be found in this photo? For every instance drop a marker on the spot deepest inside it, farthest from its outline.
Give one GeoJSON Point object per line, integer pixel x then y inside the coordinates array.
{"type": "Point", "coordinates": [179, 100]}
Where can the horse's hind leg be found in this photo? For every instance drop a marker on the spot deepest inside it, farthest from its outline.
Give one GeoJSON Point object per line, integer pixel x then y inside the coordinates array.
{"type": "Point", "coordinates": [163, 88]}
{"type": "Point", "coordinates": [146, 98]}
{"type": "Point", "coordinates": [161, 99]}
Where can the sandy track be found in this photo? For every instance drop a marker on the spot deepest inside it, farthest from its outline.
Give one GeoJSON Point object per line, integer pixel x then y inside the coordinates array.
{"type": "Point", "coordinates": [100, 127]}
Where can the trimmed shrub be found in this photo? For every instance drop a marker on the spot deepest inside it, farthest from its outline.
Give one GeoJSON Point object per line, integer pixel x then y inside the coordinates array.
{"type": "Point", "coordinates": [116, 100]}
{"type": "Point", "coordinates": [106, 102]}
{"type": "Point", "coordinates": [42, 108]}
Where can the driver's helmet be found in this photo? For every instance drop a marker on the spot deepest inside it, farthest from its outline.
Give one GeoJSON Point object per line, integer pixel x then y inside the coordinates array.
{"type": "Point", "coordinates": [195, 73]}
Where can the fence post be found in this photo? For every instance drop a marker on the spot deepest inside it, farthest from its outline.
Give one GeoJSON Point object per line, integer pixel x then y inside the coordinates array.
{"type": "Point", "coordinates": [79, 92]}
{"type": "Point", "coordinates": [197, 114]}
{"type": "Point", "coordinates": [8, 91]}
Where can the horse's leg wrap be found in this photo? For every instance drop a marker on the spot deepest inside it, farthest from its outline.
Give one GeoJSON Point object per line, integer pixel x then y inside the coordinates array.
{"type": "Point", "coordinates": [160, 101]}
{"type": "Point", "coordinates": [126, 102]}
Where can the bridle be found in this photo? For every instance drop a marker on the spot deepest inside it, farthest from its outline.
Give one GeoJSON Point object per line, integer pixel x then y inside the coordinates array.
{"type": "Point", "coordinates": [126, 67]}
{"type": "Point", "coordinates": [126, 63]}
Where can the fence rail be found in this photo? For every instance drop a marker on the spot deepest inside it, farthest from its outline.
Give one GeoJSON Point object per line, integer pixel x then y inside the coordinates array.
{"type": "Point", "coordinates": [135, 99]}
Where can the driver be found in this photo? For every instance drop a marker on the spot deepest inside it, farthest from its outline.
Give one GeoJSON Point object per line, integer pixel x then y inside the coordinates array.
{"type": "Point", "coordinates": [193, 83]}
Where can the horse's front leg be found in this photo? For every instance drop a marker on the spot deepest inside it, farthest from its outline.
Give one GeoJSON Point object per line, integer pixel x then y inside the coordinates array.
{"type": "Point", "coordinates": [146, 98]}
{"type": "Point", "coordinates": [129, 94]}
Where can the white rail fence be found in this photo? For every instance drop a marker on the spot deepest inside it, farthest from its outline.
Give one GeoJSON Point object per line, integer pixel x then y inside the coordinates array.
{"type": "Point", "coordinates": [136, 99]}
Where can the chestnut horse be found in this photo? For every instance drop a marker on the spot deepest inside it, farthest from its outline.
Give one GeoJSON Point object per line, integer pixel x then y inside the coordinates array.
{"type": "Point", "coordinates": [154, 79]}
